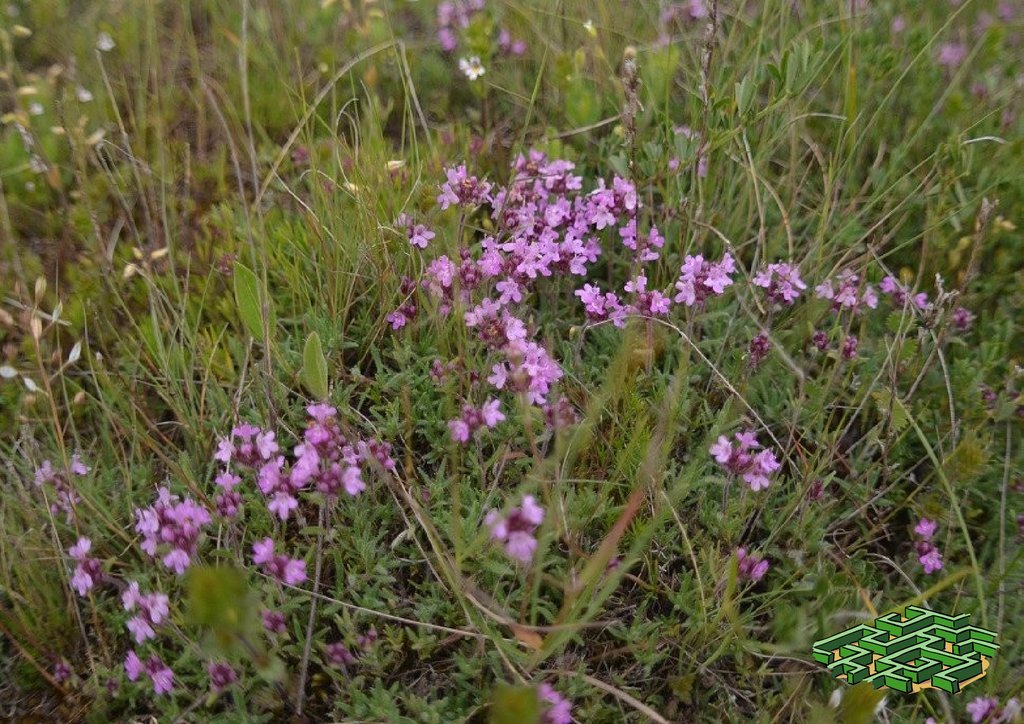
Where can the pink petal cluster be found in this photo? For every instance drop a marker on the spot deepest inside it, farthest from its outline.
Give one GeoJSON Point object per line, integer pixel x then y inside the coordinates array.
{"type": "Point", "coordinates": [928, 555]}
{"type": "Point", "coordinates": [740, 458]}
{"type": "Point", "coordinates": [87, 572]}
{"type": "Point", "coordinates": [407, 310]}
{"type": "Point", "coordinates": [557, 709]}
{"type": "Point", "coordinates": [900, 294]}
{"type": "Point", "coordinates": [248, 445]}
{"type": "Point", "coordinates": [963, 319]}
{"type": "Point", "coordinates": [287, 570]}
{"type": "Point", "coordinates": [488, 415]}
{"type": "Point", "coordinates": [700, 279]}
{"type": "Point", "coordinates": [153, 609]}
{"type": "Point", "coordinates": [751, 567]}
{"type": "Point", "coordinates": [453, 15]}
{"type": "Point", "coordinates": [64, 498]}
{"type": "Point", "coordinates": [158, 672]}
{"type": "Point", "coordinates": [173, 526]}
{"type": "Point", "coordinates": [418, 234]}
{"type": "Point", "coordinates": [517, 529]}
{"type": "Point", "coordinates": [987, 709]}
{"type": "Point", "coordinates": [781, 282]}
{"type": "Point", "coordinates": [326, 457]}
{"type": "Point", "coordinates": [222, 675]}
{"type": "Point", "coordinates": [844, 291]}
{"type": "Point", "coordinates": [461, 189]}
{"type": "Point", "coordinates": [509, 45]}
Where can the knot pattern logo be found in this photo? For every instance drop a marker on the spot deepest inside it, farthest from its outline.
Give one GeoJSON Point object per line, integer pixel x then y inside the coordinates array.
{"type": "Point", "coordinates": [916, 650]}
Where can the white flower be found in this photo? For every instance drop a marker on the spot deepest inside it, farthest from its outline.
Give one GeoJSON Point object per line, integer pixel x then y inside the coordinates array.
{"type": "Point", "coordinates": [472, 67]}
{"type": "Point", "coordinates": [35, 109]}
{"type": "Point", "coordinates": [83, 95]}
{"type": "Point", "coordinates": [104, 42]}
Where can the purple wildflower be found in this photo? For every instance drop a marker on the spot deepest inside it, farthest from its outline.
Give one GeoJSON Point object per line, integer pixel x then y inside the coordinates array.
{"type": "Point", "coordinates": [172, 525]}
{"type": "Point", "coordinates": [699, 279]}
{"type": "Point", "coordinates": [291, 571]}
{"type": "Point", "coordinates": [87, 571]}
{"type": "Point", "coordinates": [517, 529]}
{"type": "Point", "coordinates": [751, 568]}
{"type": "Point", "coordinates": [844, 292]}
{"type": "Point", "coordinates": [782, 282]}
{"type": "Point", "coordinates": [153, 609]}
{"type": "Point", "coordinates": [740, 459]}
{"type": "Point", "coordinates": [558, 709]}
{"type": "Point", "coordinates": [461, 189]}
{"type": "Point", "coordinates": [221, 675]}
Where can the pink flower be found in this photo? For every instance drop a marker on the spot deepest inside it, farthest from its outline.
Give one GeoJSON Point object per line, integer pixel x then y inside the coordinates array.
{"type": "Point", "coordinates": [844, 292]}
{"type": "Point", "coordinates": [133, 666]}
{"type": "Point", "coordinates": [740, 459]}
{"type": "Point", "coordinates": [221, 675]}
{"type": "Point", "coordinates": [473, 419]}
{"type": "Point", "coordinates": [88, 570]}
{"type": "Point", "coordinates": [931, 561]}
{"type": "Point", "coordinates": [461, 189]}
{"type": "Point", "coordinates": [981, 708]}
{"type": "Point", "coordinates": [951, 55]}
{"type": "Point", "coordinates": [699, 279]}
{"type": "Point", "coordinates": [558, 709]}
{"type": "Point", "coordinates": [751, 568]}
{"type": "Point", "coordinates": [782, 282]}
{"type": "Point", "coordinates": [174, 525]}
{"type": "Point", "coordinates": [926, 528]}
{"type": "Point", "coordinates": [288, 570]}
{"type": "Point", "coordinates": [517, 529]}
{"type": "Point", "coordinates": [161, 676]}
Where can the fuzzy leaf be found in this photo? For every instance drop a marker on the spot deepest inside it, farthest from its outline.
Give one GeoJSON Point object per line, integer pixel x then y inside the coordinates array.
{"type": "Point", "coordinates": [249, 299]}
{"type": "Point", "coordinates": [515, 705]}
{"type": "Point", "coordinates": [314, 367]}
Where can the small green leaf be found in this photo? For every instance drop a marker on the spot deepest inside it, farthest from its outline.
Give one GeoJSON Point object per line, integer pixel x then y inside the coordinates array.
{"type": "Point", "coordinates": [314, 367]}
{"type": "Point", "coordinates": [515, 705]}
{"type": "Point", "coordinates": [249, 299]}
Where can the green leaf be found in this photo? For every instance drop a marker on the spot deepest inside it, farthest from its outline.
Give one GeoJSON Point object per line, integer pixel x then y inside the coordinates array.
{"type": "Point", "coordinates": [859, 704]}
{"type": "Point", "coordinates": [744, 94]}
{"type": "Point", "coordinates": [249, 298]}
{"type": "Point", "coordinates": [515, 705]}
{"type": "Point", "coordinates": [314, 367]}
{"type": "Point", "coordinates": [219, 600]}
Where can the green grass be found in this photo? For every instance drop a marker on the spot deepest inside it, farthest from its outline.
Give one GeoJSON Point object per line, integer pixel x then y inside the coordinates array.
{"type": "Point", "coordinates": [258, 135]}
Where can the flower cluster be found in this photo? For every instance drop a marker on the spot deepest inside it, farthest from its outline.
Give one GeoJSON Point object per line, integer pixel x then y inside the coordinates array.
{"type": "Point", "coordinates": [845, 292]}
{"type": "Point", "coordinates": [750, 567]}
{"type": "Point", "coordinates": [87, 571]}
{"type": "Point", "coordinates": [927, 554]}
{"type": "Point", "coordinates": [222, 675]}
{"type": "Point", "coordinates": [158, 672]}
{"type": "Point", "coordinates": [899, 294]}
{"type": "Point", "coordinates": [406, 312]}
{"type": "Point", "coordinates": [557, 709]}
{"type": "Point", "coordinates": [987, 709]}
{"type": "Point", "coordinates": [453, 15]}
{"type": "Point", "coordinates": [153, 609]}
{"type": "Point", "coordinates": [291, 571]}
{"type": "Point", "coordinates": [472, 419]}
{"type": "Point", "coordinates": [172, 525]}
{"type": "Point", "coordinates": [781, 282]}
{"type": "Point", "coordinates": [418, 234]}
{"type": "Point", "coordinates": [740, 459]}
{"type": "Point", "coordinates": [516, 530]}
{"type": "Point", "coordinates": [700, 278]}
{"type": "Point", "coordinates": [326, 457]}
{"type": "Point", "coordinates": [64, 497]}
{"type": "Point", "coordinates": [463, 190]}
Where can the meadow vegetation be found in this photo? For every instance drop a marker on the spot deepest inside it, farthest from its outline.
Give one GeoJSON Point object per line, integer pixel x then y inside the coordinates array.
{"type": "Point", "coordinates": [512, 360]}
